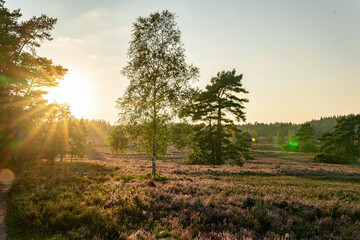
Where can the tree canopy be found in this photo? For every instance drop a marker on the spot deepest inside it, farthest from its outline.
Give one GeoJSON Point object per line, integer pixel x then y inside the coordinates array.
{"type": "Point", "coordinates": [219, 106]}
{"type": "Point", "coordinates": [343, 144]}
{"type": "Point", "coordinates": [159, 78]}
{"type": "Point", "coordinates": [29, 127]}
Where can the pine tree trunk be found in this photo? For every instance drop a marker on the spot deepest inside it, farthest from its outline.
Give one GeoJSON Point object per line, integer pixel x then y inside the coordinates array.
{"type": "Point", "coordinates": [213, 143]}
{"type": "Point", "coordinates": [218, 156]}
{"type": "Point", "coordinates": [154, 155]}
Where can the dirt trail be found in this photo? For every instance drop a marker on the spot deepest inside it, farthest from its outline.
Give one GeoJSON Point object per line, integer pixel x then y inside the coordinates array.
{"type": "Point", "coordinates": [7, 177]}
{"type": "Point", "coordinates": [3, 198]}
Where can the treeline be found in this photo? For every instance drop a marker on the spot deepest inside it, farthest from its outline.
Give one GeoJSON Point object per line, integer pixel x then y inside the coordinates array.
{"type": "Point", "coordinates": [321, 126]}
{"type": "Point", "coordinates": [338, 137]}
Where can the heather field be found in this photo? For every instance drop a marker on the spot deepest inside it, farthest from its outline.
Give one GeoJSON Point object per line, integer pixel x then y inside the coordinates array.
{"type": "Point", "coordinates": [276, 195]}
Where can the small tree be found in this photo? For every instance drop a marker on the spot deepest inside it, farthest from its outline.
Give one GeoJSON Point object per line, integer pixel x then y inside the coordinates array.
{"type": "Point", "coordinates": [291, 143]}
{"type": "Point", "coordinates": [305, 133]}
{"type": "Point", "coordinates": [306, 138]}
{"type": "Point", "coordinates": [63, 134]}
{"type": "Point", "coordinates": [118, 139]}
{"type": "Point", "coordinates": [77, 137]}
{"type": "Point", "coordinates": [55, 133]}
{"type": "Point", "coordinates": [254, 136]}
{"type": "Point", "coordinates": [240, 148]}
{"type": "Point", "coordinates": [159, 78]}
{"type": "Point", "coordinates": [280, 138]}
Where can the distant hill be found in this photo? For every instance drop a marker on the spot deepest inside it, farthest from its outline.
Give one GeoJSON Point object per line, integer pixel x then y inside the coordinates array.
{"type": "Point", "coordinates": [322, 125]}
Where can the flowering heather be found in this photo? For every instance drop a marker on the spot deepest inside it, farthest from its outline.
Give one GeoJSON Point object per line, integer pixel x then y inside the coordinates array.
{"type": "Point", "coordinates": [275, 196]}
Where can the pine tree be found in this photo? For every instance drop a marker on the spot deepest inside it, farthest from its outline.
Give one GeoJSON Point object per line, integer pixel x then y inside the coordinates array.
{"type": "Point", "coordinates": [343, 144]}
{"type": "Point", "coordinates": [217, 106]}
{"type": "Point", "coordinates": [23, 76]}
{"type": "Point", "coordinates": [305, 133]}
{"type": "Point", "coordinates": [306, 138]}
{"type": "Point", "coordinates": [291, 143]}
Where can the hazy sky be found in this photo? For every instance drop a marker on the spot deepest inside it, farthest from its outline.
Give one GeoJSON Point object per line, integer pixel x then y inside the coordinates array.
{"type": "Point", "coordinates": [300, 59]}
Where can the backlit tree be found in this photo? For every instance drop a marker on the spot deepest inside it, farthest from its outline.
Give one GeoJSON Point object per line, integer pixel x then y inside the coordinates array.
{"type": "Point", "coordinates": [159, 78]}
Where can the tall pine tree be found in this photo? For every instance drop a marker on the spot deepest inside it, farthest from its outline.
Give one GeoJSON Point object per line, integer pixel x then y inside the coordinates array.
{"type": "Point", "coordinates": [343, 144]}
{"type": "Point", "coordinates": [219, 106]}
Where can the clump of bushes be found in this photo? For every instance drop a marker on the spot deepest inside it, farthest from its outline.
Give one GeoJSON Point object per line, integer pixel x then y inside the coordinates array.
{"type": "Point", "coordinates": [342, 146]}
{"type": "Point", "coordinates": [301, 141]}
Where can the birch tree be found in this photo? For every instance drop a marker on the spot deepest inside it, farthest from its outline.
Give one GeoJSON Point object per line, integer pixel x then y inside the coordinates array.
{"type": "Point", "coordinates": [159, 78]}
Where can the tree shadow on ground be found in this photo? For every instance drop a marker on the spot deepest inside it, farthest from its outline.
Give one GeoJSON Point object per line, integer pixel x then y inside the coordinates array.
{"type": "Point", "coordinates": [321, 175]}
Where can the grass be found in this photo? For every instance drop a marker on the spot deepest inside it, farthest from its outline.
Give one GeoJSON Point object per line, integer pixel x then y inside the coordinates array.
{"type": "Point", "coordinates": [276, 195]}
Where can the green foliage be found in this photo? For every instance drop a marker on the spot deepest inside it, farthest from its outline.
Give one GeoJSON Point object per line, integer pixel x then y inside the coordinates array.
{"type": "Point", "coordinates": [184, 136]}
{"type": "Point", "coordinates": [213, 107]}
{"type": "Point", "coordinates": [128, 177]}
{"type": "Point", "coordinates": [77, 137]}
{"type": "Point", "coordinates": [305, 133]}
{"type": "Point", "coordinates": [324, 124]}
{"type": "Point", "coordinates": [203, 142]}
{"type": "Point", "coordinates": [253, 134]}
{"type": "Point", "coordinates": [240, 148]}
{"type": "Point", "coordinates": [269, 139]}
{"type": "Point", "coordinates": [142, 136]}
{"type": "Point", "coordinates": [343, 144]}
{"type": "Point", "coordinates": [306, 138]}
{"type": "Point", "coordinates": [291, 144]}
{"type": "Point", "coordinates": [181, 135]}
{"type": "Point", "coordinates": [63, 134]}
{"type": "Point", "coordinates": [23, 77]}
{"type": "Point", "coordinates": [280, 138]}
{"type": "Point", "coordinates": [308, 147]}
{"type": "Point", "coordinates": [118, 139]}
{"type": "Point", "coordinates": [159, 80]}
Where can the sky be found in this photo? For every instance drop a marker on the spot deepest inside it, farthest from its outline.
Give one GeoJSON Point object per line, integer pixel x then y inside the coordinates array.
{"type": "Point", "coordinates": [300, 60]}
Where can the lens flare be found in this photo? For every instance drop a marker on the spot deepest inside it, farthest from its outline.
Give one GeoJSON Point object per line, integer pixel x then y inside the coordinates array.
{"type": "Point", "coordinates": [293, 143]}
{"type": "Point", "coordinates": [6, 176]}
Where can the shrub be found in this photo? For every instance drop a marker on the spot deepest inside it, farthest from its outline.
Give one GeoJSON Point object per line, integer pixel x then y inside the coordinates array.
{"type": "Point", "coordinates": [308, 147]}
{"type": "Point", "coordinates": [335, 158]}
{"type": "Point", "coordinates": [342, 145]}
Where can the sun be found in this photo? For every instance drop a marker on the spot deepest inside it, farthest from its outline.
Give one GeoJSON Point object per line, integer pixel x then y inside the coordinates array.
{"type": "Point", "coordinates": [76, 91]}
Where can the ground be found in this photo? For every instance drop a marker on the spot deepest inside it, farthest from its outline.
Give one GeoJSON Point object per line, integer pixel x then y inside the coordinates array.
{"type": "Point", "coordinates": [5, 183]}
{"type": "Point", "coordinates": [276, 195]}
{"type": "Point", "coordinates": [3, 189]}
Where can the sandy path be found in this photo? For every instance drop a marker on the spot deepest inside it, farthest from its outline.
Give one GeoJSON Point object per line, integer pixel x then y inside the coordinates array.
{"type": "Point", "coordinates": [3, 196]}
{"type": "Point", "coordinates": [7, 177]}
